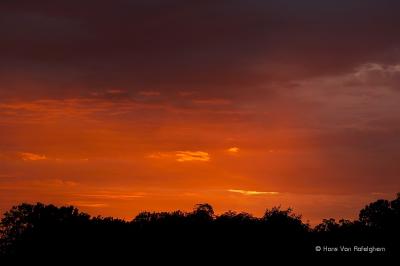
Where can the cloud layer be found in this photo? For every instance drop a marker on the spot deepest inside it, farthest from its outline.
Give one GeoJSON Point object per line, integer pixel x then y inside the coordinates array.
{"type": "Point", "coordinates": [211, 48]}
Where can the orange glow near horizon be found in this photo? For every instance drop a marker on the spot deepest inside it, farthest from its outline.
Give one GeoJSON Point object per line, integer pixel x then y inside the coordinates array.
{"type": "Point", "coordinates": [87, 153]}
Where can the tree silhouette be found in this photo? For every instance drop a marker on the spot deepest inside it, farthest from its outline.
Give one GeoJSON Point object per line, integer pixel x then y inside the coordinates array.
{"type": "Point", "coordinates": [284, 219]}
{"type": "Point", "coordinates": [382, 215]}
{"type": "Point", "coordinates": [46, 231]}
{"type": "Point", "coordinates": [377, 214]}
{"type": "Point", "coordinates": [202, 213]}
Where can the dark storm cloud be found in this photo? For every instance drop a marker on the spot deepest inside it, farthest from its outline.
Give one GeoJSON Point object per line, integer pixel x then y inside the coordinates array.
{"type": "Point", "coordinates": [217, 48]}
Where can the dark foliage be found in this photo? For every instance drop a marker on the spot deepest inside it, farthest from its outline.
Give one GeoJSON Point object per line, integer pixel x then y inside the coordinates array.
{"type": "Point", "coordinates": [41, 232]}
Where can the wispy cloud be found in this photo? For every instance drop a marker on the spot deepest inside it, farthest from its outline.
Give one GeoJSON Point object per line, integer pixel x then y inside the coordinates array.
{"type": "Point", "coordinates": [114, 196]}
{"type": "Point", "coordinates": [377, 74]}
{"type": "Point", "coordinates": [88, 204]}
{"type": "Point", "coordinates": [116, 91]}
{"type": "Point", "coordinates": [182, 156]}
{"type": "Point", "coordinates": [187, 156]}
{"type": "Point", "coordinates": [252, 192]}
{"type": "Point", "coordinates": [159, 155]}
{"type": "Point", "coordinates": [45, 184]}
{"type": "Point", "coordinates": [50, 110]}
{"type": "Point", "coordinates": [378, 193]}
{"type": "Point", "coordinates": [212, 101]}
{"type": "Point", "coordinates": [233, 150]}
{"type": "Point", "coordinates": [149, 93]}
{"type": "Point", "coordinates": [28, 156]}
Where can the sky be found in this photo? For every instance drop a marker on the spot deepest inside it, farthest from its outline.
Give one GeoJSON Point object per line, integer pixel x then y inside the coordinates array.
{"type": "Point", "coordinates": [123, 106]}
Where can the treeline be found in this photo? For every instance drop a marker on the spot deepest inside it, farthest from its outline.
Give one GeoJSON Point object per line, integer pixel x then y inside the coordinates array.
{"type": "Point", "coordinates": [46, 231]}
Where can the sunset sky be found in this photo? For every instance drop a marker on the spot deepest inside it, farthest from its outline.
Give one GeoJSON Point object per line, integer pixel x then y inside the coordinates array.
{"type": "Point", "coordinates": [128, 105]}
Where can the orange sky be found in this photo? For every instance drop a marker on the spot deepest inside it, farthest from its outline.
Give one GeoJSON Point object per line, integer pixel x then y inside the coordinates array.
{"type": "Point", "coordinates": [160, 107]}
